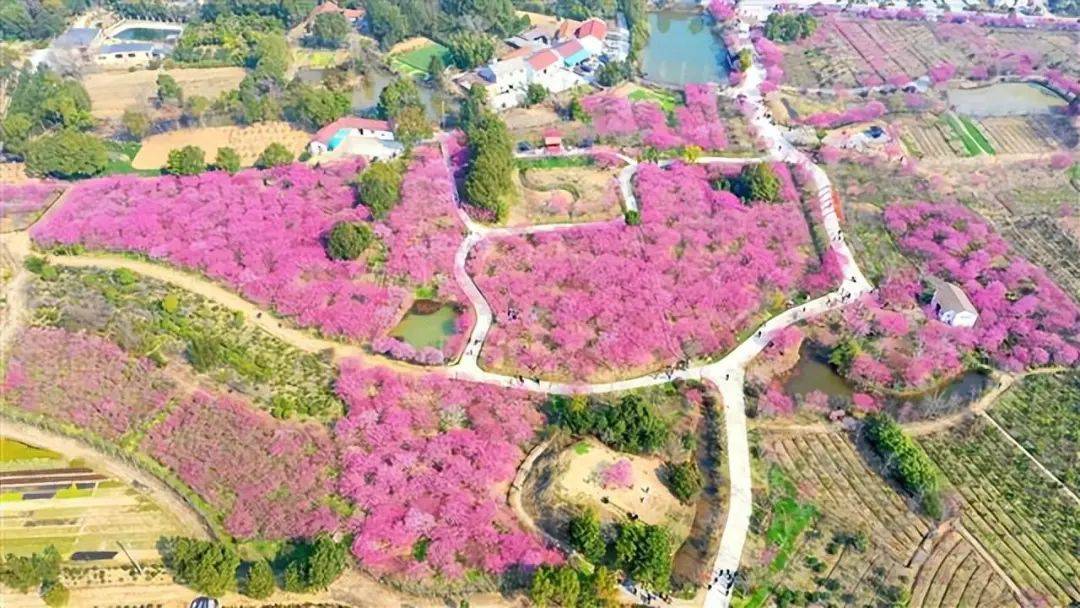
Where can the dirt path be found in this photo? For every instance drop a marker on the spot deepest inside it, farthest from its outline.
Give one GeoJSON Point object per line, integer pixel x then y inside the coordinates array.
{"type": "Point", "coordinates": [117, 468]}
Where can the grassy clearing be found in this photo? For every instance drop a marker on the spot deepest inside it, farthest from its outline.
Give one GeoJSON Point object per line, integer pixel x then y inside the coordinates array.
{"type": "Point", "coordinates": [12, 451]}
{"type": "Point", "coordinates": [555, 162]}
{"type": "Point", "coordinates": [665, 99]}
{"type": "Point", "coordinates": [416, 61]}
{"type": "Point", "coordinates": [121, 156]}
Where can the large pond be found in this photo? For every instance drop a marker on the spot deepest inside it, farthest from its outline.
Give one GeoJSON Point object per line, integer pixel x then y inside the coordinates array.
{"type": "Point", "coordinates": [683, 50]}
{"type": "Point", "coordinates": [1006, 99]}
{"type": "Point", "coordinates": [427, 324]}
{"type": "Point", "coordinates": [813, 373]}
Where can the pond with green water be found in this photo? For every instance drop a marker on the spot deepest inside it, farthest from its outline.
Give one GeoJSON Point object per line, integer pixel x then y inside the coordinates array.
{"type": "Point", "coordinates": [682, 50]}
{"type": "Point", "coordinates": [421, 328]}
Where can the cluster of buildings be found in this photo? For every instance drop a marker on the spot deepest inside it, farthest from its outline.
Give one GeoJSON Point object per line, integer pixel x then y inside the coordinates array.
{"type": "Point", "coordinates": [558, 57]}
{"type": "Point", "coordinates": [355, 136]}
{"type": "Point", "coordinates": [116, 47]}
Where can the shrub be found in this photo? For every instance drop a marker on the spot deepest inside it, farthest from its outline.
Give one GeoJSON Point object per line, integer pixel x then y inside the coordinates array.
{"type": "Point", "coordinates": [906, 460]}
{"type": "Point", "coordinates": [632, 425]}
{"type": "Point", "coordinates": [312, 566]}
{"type": "Point", "coordinates": [684, 480]}
{"type": "Point", "coordinates": [205, 566]}
{"type": "Point", "coordinates": [227, 160]}
{"type": "Point", "coordinates": [189, 160]}
{"type": "Point", "coordinates": [56, 595]}
{"type": "Point", "coordinates": [348, 240]}
{"type": "Point", "coordinates": [643, 552]}
{"type": "Point", "coordinates": [274, 155]}
{"type": "Point", "coordinates": [260, 582]}
{"type": "Point", "coordinates": [24, 573]}
{"type": "Point", "coordinates": [586, 536]}
{"type": "Point", "coordinates": [536, 93]}
{"type": "Point", "coordinates": [66, 155]}
{"type": "Point", "coordinates": [380, 187]}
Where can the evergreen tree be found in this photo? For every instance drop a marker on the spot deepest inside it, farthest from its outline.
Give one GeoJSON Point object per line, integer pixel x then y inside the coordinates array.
{"type": "Point", "coordinates": [227, 160]}
{"type": "Point", "coordinates": [274, 155]}
{"type": "Point", "coordinates": [66, 155]}
{"type": "Point", "coordinates": [586, 536]}
{"type": "Point", "coordinates": [348, 240]}
{"type": "Point", "coordinates": [260, 580]}
{"type": "Point", "coordinates": [380, 187]}
{"type": "Point", "coordinates": [189, 160]}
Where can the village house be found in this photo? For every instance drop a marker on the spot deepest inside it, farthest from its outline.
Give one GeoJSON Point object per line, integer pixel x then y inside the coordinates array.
{"type": "Point", "coordinates": [129, 54]}
{"type": "Point", "coordinates": [952, 305]}
{"type": "Point", "coordinates": [352, 15]}
{"type": "Point", "coordinates": [355, 136]}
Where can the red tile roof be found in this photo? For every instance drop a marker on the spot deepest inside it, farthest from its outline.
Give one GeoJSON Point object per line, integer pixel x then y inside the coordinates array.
{"type": "Point", "coordinates": [564, 29]}
{"type": "Point", "coordinates": [350, 122]}
{"type": "Point", "coordinates": [569, 49]}
{"type": "Point", "coordinates": [332, 7]}
{"type": "Point", "coordinates": [592, 27]}
{"type": "Point", "coordinates": [543, 59]}
{"type": "Point", "coordinates": [514, 54]}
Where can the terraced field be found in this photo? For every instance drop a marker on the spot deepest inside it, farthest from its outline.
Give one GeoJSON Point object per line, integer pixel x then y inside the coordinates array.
{"type": "Point", "coordinates": [905, 552]}
{"type": "Point", "coordinates": [1023, 519]}
{"type": "Point", "coordinates": [1026, 134]}
{"type": "Point", "coordinates": [1043, 240]}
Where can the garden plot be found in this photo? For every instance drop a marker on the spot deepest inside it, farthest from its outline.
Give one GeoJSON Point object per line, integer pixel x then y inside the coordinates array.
{"type": "Point", "coordinates": [413, 57]}
{"type": "Point", "coordinates": [1046, 241]}
{"type": "Point", "coordinates": [932, 140]}
{"type": "Point", "coordinates": [566, 189]}
{"type": "Point", "coordinates": [44, 500]}
{"type": "Point", "coordinates": [248, 142]}
{"type": "Point", "coordinates": [1028, 134]}
{"type": "Point", "coordinates": [1020, 516]}
{"type": "Point", "coordinates": [1040, 413]}
{"type": "Point", "coordinates": [113, 92]}
{"type": "Point", "coordinates": [899, 549]}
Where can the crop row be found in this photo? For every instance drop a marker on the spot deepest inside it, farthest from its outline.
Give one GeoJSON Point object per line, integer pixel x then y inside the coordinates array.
{"type": "Point", "coordinates": [1042, 240]}
{"type": "Point", "coordinates": [1022, 518]}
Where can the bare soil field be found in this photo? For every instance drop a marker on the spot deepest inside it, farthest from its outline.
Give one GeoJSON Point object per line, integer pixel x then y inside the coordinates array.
{"type": "Point", "coordinates": [248, 142]}
{"type": "Point", "coordinates": [579, 484]}
{"type": "Point", "coordinates": [13, 173]}
{"type": "Point", "coordinates": [566, 194]}
{"type": "Point", "coordinates": [113, 92]}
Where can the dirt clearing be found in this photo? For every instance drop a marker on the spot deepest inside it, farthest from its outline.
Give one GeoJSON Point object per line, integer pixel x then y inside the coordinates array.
{"type": "Point", "coordinates": [248, 142]}
{"type": "Point", "coordinates": [113, 92]}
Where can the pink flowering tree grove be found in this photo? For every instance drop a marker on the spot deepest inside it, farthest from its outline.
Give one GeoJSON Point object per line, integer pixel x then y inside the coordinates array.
{"type": "Point", "coordinates": [697, 122]}
{"type": "Point", "coordinates": [426, 460]}
{"type": "Point", "coordinates": [618, 475]}
{"type": "Point", "coordinates": [607, 299]}
{"type": "Point", "coordinates": [262, 233]}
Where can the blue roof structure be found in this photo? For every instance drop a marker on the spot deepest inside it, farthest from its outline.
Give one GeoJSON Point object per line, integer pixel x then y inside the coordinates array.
{"type": "Point", "coordinates": [130, 47]}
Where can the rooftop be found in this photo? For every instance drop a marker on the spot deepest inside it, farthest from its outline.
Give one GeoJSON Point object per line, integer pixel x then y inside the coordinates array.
{"type": "Point", "coordinates": [951, 297]}
{"type": "Point", "coordinates": [130, 47]}
{"type": "Point", "coordinates": [592, 27]}
{"type": "Point", "coordinates": [327, 133]}
{"type": "Point", "coordinates": [543, 59]}
{"type": "Point", "coordinates": [569, 49]}
{"type": "Point", "coordinates": [352, 14]}
{"type": "Point", "coordinates": [77, 37]}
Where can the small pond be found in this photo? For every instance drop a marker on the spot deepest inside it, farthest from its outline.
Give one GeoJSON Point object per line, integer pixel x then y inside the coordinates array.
{"type": "Point", "coordinates": [148, 34]}
{"type": "Point", "coordinates": [1006, 99]}
{"type": "Point", "coordinates": [428, 323]}
{"type": "Point", "coordinates": [365, 94]}
{"type": "Point", "coordinates": [813, 373]}
{"type": "Point", "coordinates": [682, 50]}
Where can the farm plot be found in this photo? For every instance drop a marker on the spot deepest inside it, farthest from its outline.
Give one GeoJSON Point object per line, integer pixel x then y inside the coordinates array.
{"type": "Point", "coordinates": [113, 92]}
{"type": "Point", "coordinates": [248, 142]}
{"type": "Point", "coordinates": [1021, 516]}
{"type": "Point", "coordinates": [413, 57]}
{"type": "Point", "coordinates": [1041, 414]}
{"type": "Point", "coordinates": [932, 140]}
{"type": "Point", "coordinates": [1045, 241]}
{"type": "Point", "coordinates": [1028, 134]}
{"type": "Point", "coordinates": [572, 189]}
{"type": "Point", "coordinates": [878, 543]}
{"type": "Point", "coordinates": [44, 500]}
{"type": "Point", "coordinates": [22, 204]}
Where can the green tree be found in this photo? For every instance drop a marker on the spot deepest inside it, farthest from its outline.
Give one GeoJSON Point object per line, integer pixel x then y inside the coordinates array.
{"type": "Point", "coordinates": [633, 426]}
{"type": "Point", "coordinates": [136, 122]}
{"type": "Point", "coordinates": [348, 240]}
{"type": "Point", "coordinates": [644, 553]}
{"type": "Point", "coordinates": [536, 93]}
{"type": "Point", "coordinates": [189, 160]}
{"type": "Point", "coordinates": [315, 106]}
{"type": "Point", "coordinates": [227, 160]}
{"type": "Point", "coordinates": [50, 101]}
{"type": "Point", "coordinates": [205, 566]}
{"type": "Point", "coordinates": [436, 67]}
{"type": "Point", "coordinates": [56, 595]}
{"type": "Point", "coordinates": [399, 94]}
{"type": "Point", "coordinates": [271, 57]}
{"type": "Point", "coordinates": [576, 111]}
{"type": "Point", "coordinates": [412, 125]}
{"type": "Point", "coordinates": [388, 24]}
{"type": "Point", "coordinates": [489, 182]}
{"type": "Point", "coordinates": [474, 106]}
{"type": "Point", "coordinates": [260, 580]}
{"type": "Point", "coordinates": [469, 50]}
{"type": "Point", "coordinates": [168, 90]}
{"type": "Point", "coordinates": [195, 107]}
{"type": "Point", "coordinates": [757, 182]}
{"type": "Point", "coordinates": [380, 187]}
{"type": "Point", "coordinates": [684, 480]}
{"type": "Point", "coordinates": [586, 536]}
{"type": "Point", "coordinates": [614, 72]}
{"type": "Point", "coordinates": [906, 461]}
{"type": "Point", "coordinates": [555, 585]}
{"type": "Point", "coordinates": [328, 30]}
{"type": "Point", "coordinates": [601, 590]}
{"type": "Point", "coordinates": [15, 132]}
{"type": "Point", "coordinates": [274, 155]}
{"type": "Point", "coordinates": [789, 27]}
{"type": "Point", "coordinates": [25, 573]}
{"type": "Point", "coordinates": [312, 566]}
{"type": "Point", "coordinates": [66, 155]}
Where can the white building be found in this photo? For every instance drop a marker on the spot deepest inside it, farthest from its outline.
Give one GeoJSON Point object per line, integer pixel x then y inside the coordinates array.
{"type": "Point", "coordinates": [952, 305]}
{"type": "Point", "coordinates": [355, 136]}
{"type": "Point", "coordinates": [129, 54]}
{"type": "Point", "coordinates": [506, 75]}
